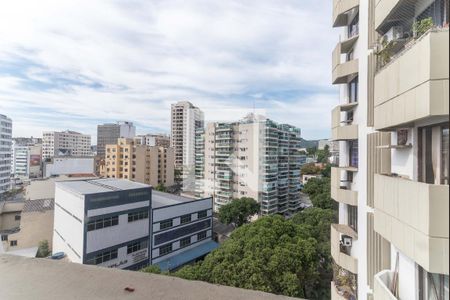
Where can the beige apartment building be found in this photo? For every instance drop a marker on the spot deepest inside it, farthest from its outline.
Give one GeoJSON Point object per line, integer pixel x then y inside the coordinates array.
{"type": "Point", "coordinates": [65, 143]}
{"type": "Point", "coordinates": [392, 124]}
{"type": "Point", "coordinates": [254, 158]}
{"type": "Point", "coordinates": [128, 159]}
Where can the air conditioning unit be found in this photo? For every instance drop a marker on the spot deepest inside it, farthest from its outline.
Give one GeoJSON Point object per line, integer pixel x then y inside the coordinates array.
{"type": "Point", "coordinates": [395, 33]}
{"type": "Point", "coordinates": [346, 241]}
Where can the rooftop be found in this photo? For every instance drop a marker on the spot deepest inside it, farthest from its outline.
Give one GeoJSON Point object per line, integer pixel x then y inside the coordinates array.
{"type": "Point", "coordinates": [160, 199]}
{"type": "Point", "coordinates": [45, 188]}
{"type": "Point", "coordinates": [37, 278]}
{"type": "Point", "coordinates": [95, 186]}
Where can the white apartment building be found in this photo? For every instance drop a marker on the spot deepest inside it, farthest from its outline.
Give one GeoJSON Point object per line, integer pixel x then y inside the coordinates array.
{"type": "Point", "coordinates": [122, 224]}
{"type": "Point", "coordinates": [65, 143]}
{"type": "Point", "coordinates": [109, 133]}
{"type": "Point", "coordinates": [185, 120]}
{"type": "Point", "coordinates": [391, 63]}
{"type": "Point", "coordinates": [5, 152]}
{"type": "Point", "coordinates": [26, 160]}
{"type": "Point", "coordinates": [254, 158]}
{"type": "Point", "coordinates": [152, 140]}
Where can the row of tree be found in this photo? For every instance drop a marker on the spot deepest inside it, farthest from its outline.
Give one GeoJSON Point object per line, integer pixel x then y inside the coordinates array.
{"type": "Point", "coordinates": [275, 255]}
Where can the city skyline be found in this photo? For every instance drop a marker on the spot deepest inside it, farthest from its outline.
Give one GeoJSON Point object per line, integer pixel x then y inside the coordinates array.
{"type": "Point", "coordinates": [131, 63]}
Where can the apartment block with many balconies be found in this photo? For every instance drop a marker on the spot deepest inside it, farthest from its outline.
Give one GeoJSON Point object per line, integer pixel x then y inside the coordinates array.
{"type": "Point", "coordinates": [254, 158]}
{"type": "Point", "coordinates": [128, 159]}
{"type": "Point", "coordinates": [391, 63]}
{"type": "Point", "coordinates": [65, 143]}
{"type": "Point", "coordinates": [5, 152]}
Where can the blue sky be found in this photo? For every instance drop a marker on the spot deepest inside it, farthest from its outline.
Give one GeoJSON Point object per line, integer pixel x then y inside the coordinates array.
{"type": "Point", "coordinates": [76, 64]}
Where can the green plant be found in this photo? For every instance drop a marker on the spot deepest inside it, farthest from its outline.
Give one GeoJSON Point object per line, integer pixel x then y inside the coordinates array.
{"type": "Point", "coordinates": [43, 249]}
{"type": "Point", "coordinates": [422, 26]}
{"type": "Point", "coordinates": [385, 54]}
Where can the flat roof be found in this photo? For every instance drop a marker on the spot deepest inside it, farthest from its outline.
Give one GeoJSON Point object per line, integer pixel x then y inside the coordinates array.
{"type": "Point", "coordinates": [95, 186]}
{"type": "Point", "coordinates": [41, 278]}
{"type": "Point", "coordinates": [160, 199]}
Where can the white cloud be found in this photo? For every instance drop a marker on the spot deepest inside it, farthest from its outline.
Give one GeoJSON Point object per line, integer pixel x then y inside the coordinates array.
{"type": "Point", "coordinates": [92, 61]}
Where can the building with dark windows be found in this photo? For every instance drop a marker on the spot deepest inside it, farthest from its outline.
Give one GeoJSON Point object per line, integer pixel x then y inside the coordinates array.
{"type": "Point", "coordinates": [117, 223]}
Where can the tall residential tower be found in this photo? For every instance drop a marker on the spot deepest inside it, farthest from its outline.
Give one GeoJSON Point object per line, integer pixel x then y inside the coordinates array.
{"type": "Point", "coordinates": [391, 184]}
{"type": "Point", "coordinates": [186, 119]}
{"type": "Point", "coordinates": [109, 133]}
{"type": "Point", "coordinates": [5, 152]}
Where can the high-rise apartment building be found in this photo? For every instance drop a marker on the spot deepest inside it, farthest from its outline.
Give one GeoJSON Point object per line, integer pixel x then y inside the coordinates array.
{"type": "Point", "coordinates": [199, 162]}
{"type": "Point", "coordinates": [160, 140]}
{"type": "Point", "coordinates": [392, 123]}
{"type": "Point", "coordinates": [65, 143]}
{"type": "Point", "coordinates": [185, 120]}
{"type": "Point", "coordinates": [5, 152]}
{"type": "Point", "coordinates": [130, 160]}
{"type": "Point", "coordinates": [255, 158]}
{"type": "Point", "coordinates": [109, 133]}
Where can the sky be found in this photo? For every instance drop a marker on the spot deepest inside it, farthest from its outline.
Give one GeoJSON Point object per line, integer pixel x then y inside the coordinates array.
{"type": "Point", "coordinates": [75, 64]}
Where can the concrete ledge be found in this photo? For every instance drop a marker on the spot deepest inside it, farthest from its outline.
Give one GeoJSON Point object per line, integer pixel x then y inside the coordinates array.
{"type": "Point", "coordinates": [40, 278]}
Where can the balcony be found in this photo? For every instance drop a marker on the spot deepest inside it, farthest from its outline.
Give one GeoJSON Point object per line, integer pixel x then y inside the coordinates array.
{"type": "Point", "coordinates": [414, 217]}
{"type": "Point", "coordinates": [383, 9]}
{"type": "Point", "coordinates": [343, 72]}
{"type": "Point", "coordinates": [381, 286]}
{"type": "Point", "coordinates": [414, 85]}
{"type": "Point", "coordinates": [340, 190]}
{"type": "Point", "coordinates": [340, 10]}
{"type": "Point", "coordinates": [341, 258]}
{"type": "Point", "coordinates": [344, 132]}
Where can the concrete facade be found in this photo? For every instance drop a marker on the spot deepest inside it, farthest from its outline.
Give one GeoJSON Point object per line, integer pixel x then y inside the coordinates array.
{"type": "Point", "coordinates": [65, 143]}
{"type": "Point", "coordinates": [109, 133]}
{"type": "Point", "coordinates": [5, 152]}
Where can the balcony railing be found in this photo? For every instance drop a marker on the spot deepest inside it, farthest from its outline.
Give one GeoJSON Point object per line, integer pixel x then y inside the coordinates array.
{"type": "Point", "coordinates": [340, 11]}
{"type": "Point", "coordinates": [343, 130]}
{"type": "Point", "coordinates": [414, 217]}
{"type": "Point", "coordinates": [340, 257]}
{"type": "Point", "coordinates": [414, 85]}
{"type": "Point", "coordinates": [340, 189]}
{"type": "Point", "coordinates": [381, 286]}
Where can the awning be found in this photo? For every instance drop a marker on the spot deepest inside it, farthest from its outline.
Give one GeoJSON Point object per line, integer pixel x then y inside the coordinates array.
{"type": "Point", "coordinates": [186, 256]}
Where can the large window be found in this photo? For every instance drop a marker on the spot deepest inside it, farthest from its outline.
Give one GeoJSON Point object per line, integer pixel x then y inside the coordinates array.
{"type": "Point", "coordinates": [136, 216]}
{"type": "Point", "coordinates": [134, 247]}
{"type": "Point", "coordinates": [352, 217]}
{"type": "Point", "coordinates": [165, 224]}
{"type": "Point", "coordinates": [433, 286]}
{"type": "Point", "coordinates": [103, 223]}
{"type": "Point", "coordinates": [353, 153]}
{"type": "Point", "coordinates": [353, 90]}
{"type": "Point", "coordinates": [166, 249]}
{"type": "Point", "coordinates": [433, 154]}
{"type": "Point", "coordinates": [185, 219]}
{"type": "Point", "coordinates": [353, 27]}
{"type": "Point", "coordinates": [185, 242]}
{"type": "Point", "coordinates": [105, 256]}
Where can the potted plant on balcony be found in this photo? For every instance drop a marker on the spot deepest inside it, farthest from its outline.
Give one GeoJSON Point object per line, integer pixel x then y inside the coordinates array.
{"type": "Point", "coordinates": [420, 27]}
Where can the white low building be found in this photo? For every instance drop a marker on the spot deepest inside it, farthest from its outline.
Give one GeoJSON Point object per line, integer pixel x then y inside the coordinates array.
{"type": "Point", "coordinates": [123, 224]}
{"type": "Point", "coordinates": [69, 165]}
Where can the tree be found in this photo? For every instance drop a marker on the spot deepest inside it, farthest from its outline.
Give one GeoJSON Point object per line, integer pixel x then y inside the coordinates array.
{"type": "Point", "coordinates": [43, 249]}
{"type": "Point", "coordinates": [238, 211]}
{"type": "Point", "coordinates": [318, 190]}
{"type": "Point", "coordinates": [311, 151]}
{"type": "Point", "coordinates": [310, 169]}
{"type": "Point", "coordinates": [272, 255]}
{"type": "Point", "coordinates": [326, 172]}
{"type": "Point", "coordinates": [152, 269]}
{"type": "Point", "coordinates": [161, 188]}
{"type": "Point", "coordinates": [323, 155]}
{"type": "Point", "coordinates": [318, 222]}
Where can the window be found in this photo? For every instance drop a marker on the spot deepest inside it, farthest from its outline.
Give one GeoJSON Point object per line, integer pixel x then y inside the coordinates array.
{"type": "Point", "coordinates": [353, 27]}
{"type": "Point", "coordinates": [165, 224]}
{"type": "Point", "coordinates": [103, 223]}
{"type": "Point", "coordinates": [202, 214]}
{"type": "Point", "coordinates": [185, 242]}
{"type": "Point", "coordinates": [140, 215]}
{"type": "Point", "coordinates": [105, 256]}
{"type": "Point", "coordinates": [163, 250]}
{"type": "Point", "coordinates": [353, 155]}
{"type": "Point", "coordinates": [353, 91]}
{"type": "Point", "coordinates": [4, 237]}
{"type": "Point", "coordinates": [185, 219]}
{"type": "Point", "coordinates": [171, 235]}
{"type": "Point", "coordinates": [352, 217]}
{"type": "Point", "coordinates": [13, 243]}
{"type": "Point", "coordinates": [432, 286]}
{"type": "Point", "coordinates": [201, 236]}
{"type": "Point", "coordinates": [433, 154]}
{"type": "Point", "coordinates": [17, 217]}
{"type": "Point", "coordinates": [134, 247]}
